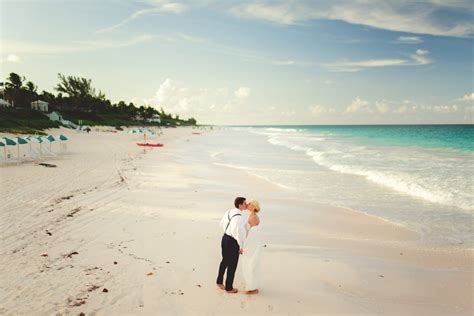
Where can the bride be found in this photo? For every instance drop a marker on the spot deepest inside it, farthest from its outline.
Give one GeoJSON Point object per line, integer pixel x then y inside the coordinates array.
{"type": "Point", "coordinates": [252, 249]}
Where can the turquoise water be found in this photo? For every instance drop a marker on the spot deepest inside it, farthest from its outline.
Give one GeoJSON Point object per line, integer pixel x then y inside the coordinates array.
{"type": "Point", "coordinates": [420, 176]}
{"type": "Point", "coordinates": [460, 137]}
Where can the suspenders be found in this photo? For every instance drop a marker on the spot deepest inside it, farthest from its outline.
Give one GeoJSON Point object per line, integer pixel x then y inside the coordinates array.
{"type": "Point", "coordinates": [230, 218]}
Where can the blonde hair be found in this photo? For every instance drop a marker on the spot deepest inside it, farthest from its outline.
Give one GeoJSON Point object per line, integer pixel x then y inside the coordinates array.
{"type": "Point", "coordinates": [256, 204]}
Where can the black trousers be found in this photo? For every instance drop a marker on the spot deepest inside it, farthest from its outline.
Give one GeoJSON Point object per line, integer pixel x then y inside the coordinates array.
{"type": "Point", "coordinates": [230, 258]}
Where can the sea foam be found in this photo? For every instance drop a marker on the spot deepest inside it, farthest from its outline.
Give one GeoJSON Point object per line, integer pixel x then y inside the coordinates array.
{"type": "Point", "coordinates": [337, 157]}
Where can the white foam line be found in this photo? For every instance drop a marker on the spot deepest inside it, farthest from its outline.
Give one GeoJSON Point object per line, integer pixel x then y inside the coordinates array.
{"type": "Point", "coordinates": [393, 182]}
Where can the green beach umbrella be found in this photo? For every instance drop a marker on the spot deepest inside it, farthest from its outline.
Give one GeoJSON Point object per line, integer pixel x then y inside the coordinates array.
{"type": "Point", "coordinates": [40, 140]}
{"type": "Point", "coordinates": [9, 141]}
{"type": "Point", "coordinates": [29, 138]}
{"type": "Point", "coordinates": [139, 130]}
{"type": "Point", "coordinates": [22, 141]}
{"type": "Point", "coordinates": [62, 139]}
{"type": "Point", "coordinates": [50, 139]}
{"type": "Point", "coordinates": [2, 144]}
{"type": "Point", "coordinates": [135, 130]}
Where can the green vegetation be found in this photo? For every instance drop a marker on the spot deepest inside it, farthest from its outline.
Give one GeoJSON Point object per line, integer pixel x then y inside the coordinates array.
{"type": "Point", "coordinates": [77, 100]}
{"type": "Point", "coordinates": [25, 121]}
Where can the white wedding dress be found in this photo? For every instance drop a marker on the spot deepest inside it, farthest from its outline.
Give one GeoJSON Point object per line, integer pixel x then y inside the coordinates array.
{"type": "Point", "coordinates": [251, 257]}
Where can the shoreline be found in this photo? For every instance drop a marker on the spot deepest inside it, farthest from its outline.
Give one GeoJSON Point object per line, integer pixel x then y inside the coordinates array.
{"type": "Point", "coordinates": [156, 215]}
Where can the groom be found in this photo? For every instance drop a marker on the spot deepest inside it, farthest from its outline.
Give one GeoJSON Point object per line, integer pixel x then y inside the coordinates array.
{"type": "Point", "coordinates": [232, 244]}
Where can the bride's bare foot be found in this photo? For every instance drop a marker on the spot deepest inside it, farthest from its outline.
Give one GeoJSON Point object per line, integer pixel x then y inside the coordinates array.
{"type": "Point", "coordinates": [221, 286]}
{"type": "Point", "coordinates": [252, 292]}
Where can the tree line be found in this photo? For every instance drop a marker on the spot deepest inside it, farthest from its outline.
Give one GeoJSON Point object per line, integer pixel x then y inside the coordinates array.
{"type": "Point", "coordinates": [78, 94]}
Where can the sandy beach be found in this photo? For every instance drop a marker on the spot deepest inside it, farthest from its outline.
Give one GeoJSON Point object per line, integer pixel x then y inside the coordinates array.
{"type": "Point", "coordinates": [114, 230]}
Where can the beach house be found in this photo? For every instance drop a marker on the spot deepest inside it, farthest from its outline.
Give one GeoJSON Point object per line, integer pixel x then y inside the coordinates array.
{"type": "Point", "coordinates": [55, 116]}
{"type": "Point", "coordinates": [39, 105]}
{"type": "Point", "coordinates": [156, 118]}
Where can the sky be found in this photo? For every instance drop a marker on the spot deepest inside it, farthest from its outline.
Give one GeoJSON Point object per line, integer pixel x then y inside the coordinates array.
{"type": "Point", "coordinates": [255, 62]}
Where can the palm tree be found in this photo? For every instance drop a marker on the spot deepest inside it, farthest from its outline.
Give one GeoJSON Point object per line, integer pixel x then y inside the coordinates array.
{"type": "Point", "coordinates": [31, 87]}
{"type": "Point", "coordinates": [15, 82]}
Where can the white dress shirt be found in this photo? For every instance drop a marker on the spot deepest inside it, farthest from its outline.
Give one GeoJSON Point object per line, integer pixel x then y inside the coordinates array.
{"type": "Point", "coordinates": [236, 227]}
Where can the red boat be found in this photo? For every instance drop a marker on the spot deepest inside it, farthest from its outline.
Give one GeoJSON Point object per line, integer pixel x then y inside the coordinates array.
{"type": "Point", "coordinates": [149, 145]}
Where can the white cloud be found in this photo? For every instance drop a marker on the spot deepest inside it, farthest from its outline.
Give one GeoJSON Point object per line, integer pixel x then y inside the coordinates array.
{"type": "Point", "coordinates": [468, 97]}
{"type": "Point", "coordinates": [409, 40]}
{"type": "Point", "coordinates": [385, 108]}
{"type": "Point", "coordinates": [204, 104]}
{"type": "Point", "coordinates": [278, 13]}
{"type": "Point", "coordinates": [11, 58]}
{"type": "Point", "coordinates": [242, 92]}
{"type": "Point", "coordinates": [401, 109]}
{"type": "Point", "coordinates": [399, 16]}
{"type": "Point", "coordinates": [358, 105]}
{"type": "Point", "coordinates": [354, 66]}
{"type": "Point", "coordinates": [288, 113]}
{"type": "Point", "coordinates": [382, 106]}
{"type": "Point", "coordinates": [318, 110]}
{"type": "Point", "coordinates": [421, 52]}
{"type": "Point", "coordinates": [69, 47]}
{"type": "Point", "coordinates": [445, 108]}
{"type": "Point", "coordinates": [469, 114]}
{"type": "Point", "coordinates": [419, 58]}
{"type": "Point", "coordinates": [328, 81]}
{"type": "Point", "coordinates": [157, 7]}
{"type": "Point", "coordinates": [291, 62]}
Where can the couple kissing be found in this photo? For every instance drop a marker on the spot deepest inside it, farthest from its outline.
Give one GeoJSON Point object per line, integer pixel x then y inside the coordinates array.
{"type": "Point", "coordinates": [241, 238]}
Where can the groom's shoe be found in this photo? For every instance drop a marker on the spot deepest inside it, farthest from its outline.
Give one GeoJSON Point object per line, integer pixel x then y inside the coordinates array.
{"type": "Point", "coordinates": [221, 286]}
{"type": "Point", "coordinates": [232, 291]}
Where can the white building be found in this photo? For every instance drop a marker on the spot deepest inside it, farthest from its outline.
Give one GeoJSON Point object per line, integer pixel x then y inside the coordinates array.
{"type": "Point", "coordinates": [156, 118]}
{"type": "Point", "coordinates": [5, 104]}
{"type": "Point", "coordinates": [39, 106]}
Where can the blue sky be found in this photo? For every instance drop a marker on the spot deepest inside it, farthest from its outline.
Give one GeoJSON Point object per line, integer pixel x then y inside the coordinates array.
{"type": "Point", "coordinates": [256, 62]}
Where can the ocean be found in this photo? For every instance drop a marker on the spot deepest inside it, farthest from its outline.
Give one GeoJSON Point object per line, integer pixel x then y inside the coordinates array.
{"type": "Point", "coordinates": [418, 176]}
